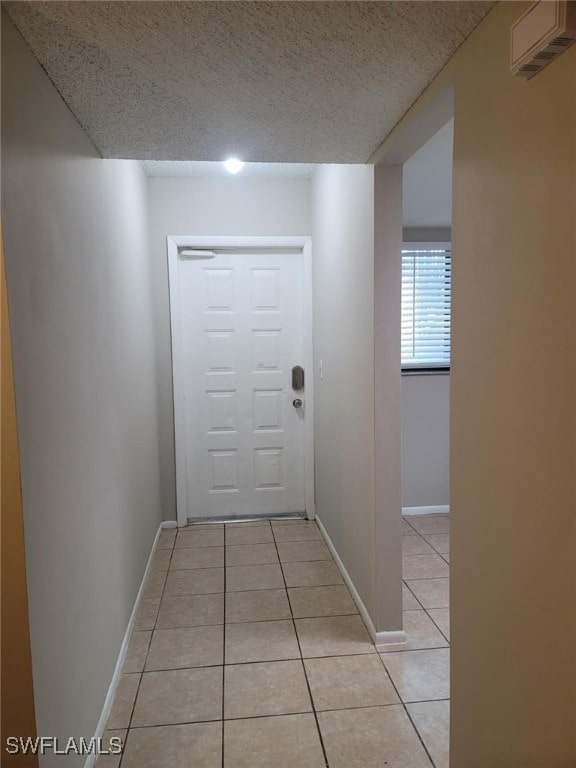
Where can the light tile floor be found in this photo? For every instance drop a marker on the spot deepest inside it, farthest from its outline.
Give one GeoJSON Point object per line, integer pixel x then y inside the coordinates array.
{"type": "Point", "coordinates": [249, 652]}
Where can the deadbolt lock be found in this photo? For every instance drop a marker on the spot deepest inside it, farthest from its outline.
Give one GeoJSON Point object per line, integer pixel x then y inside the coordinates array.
{"type": "Point", "coordinates": [297, 377]}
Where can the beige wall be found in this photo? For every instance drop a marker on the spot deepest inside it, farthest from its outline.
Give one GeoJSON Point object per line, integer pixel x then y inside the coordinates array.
{"type": "Point", "coordinates": [512, 403]}
{"type": "Point", "coordinates": [80, 309]}
{"type": "Point", "coordinates": [425, 440]}
{"type": "Point", "coordinates": [217, 206]}
{"type": "Point", "coordinates": [513, 433]}
{"type": "Point", "coordinates": [17, 712]}
{"type": "Point", "coordinates": [343, 263]}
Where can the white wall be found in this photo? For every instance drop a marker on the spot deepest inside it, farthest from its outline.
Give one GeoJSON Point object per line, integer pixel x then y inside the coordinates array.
{"type": "Point", "coordinates": [426, 419]}
{"type": "Point", "coordinates": [80, 307]}
{"type": "Point", "coordinates": [387, 397]}
{"type": "Point", "coordinates": [209, 206]}
{"type": "Point", "coordinates": [343, 260]}
{"type": "Point", "coordinates": [425, 440]}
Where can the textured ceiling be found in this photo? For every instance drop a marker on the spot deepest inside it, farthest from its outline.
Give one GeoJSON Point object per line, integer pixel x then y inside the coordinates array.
{"type": "Point", "coordinates": [427, 182]}
{"type": "Point", "coordinates": [267, 81]}
{"type": "Point", "coordinates": [210, 169]}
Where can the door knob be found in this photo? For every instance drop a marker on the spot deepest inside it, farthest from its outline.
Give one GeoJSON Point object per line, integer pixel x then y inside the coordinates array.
{"type": "Point", "coordinates": [297, 403]}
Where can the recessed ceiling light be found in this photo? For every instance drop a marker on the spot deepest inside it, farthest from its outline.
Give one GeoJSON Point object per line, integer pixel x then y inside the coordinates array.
{"type": "Point", "coordinates": [233, 165]}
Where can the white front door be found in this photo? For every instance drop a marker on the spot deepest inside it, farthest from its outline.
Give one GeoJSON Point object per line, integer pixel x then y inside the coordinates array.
{"type": "Point", "coordinates": [242, 316]}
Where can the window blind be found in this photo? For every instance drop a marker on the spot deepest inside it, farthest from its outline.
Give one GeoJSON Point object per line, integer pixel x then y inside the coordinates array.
{"type": "Point", "coordinates": [426, 292]}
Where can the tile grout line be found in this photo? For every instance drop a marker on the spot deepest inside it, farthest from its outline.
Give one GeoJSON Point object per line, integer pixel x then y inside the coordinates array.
{"type": "Point", "coordinates": [289, 714]}
{"type": "Point", "coordinates": [423, 536]}
{"type": "Point", "coordinates": [413, 595]}
{"type": "Point", "coordinates": [405, 581]}
{"type": "Point", "coordinates": [147, 652]}
{"type": "Point", "coordinates": [424, 578]}
{"type": "Point", "coordinates": [426, 610]}
{"type": "Point", "coordinates": [435, 515]}
{"type": "Point", "coordinates": [430, 546]}
{"type": "Point", "coordinates": [438, 554]}
{"type": "Point", "coordinates": [439, 628]}
{"type": "Point", "coordinates": [271, 661]}
{"type": "Point", "coordinates": [218, 594]}
{"type": "Point", "coordinates": [302, 658]}
{"type": "Point", "coordinates": [403, 703]}
{"type": "Point", "coordinates": [408, 523]}
{"type": "Point", "coordinates": [293, 658]}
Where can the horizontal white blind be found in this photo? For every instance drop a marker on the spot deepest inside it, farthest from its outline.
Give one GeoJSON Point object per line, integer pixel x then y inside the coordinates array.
{"type": "Point", "coordinates": [426, 308]}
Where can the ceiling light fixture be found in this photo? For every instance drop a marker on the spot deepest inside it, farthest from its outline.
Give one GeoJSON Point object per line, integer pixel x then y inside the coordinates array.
{"type": "Point", "coordinates": [233, 165]}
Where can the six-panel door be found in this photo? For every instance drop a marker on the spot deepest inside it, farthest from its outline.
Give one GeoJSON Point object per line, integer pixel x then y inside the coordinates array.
{"type": "Point", "coordinates": [242, 333]}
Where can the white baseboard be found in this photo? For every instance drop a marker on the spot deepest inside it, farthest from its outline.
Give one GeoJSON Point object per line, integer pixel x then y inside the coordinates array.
{"type": "Point", "coordinates": [442, 509]}
{"type": "Point", "coordinates": [396, 637]}
{"type": "Point", "coordinates": [100, 728]}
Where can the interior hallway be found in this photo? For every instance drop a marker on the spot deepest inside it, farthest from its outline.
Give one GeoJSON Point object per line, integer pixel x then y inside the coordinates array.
{"type": "Point", "coordinates": [248, 652]}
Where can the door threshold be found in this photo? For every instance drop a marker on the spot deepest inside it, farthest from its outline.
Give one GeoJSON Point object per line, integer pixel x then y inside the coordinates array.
{"type": "Point", "coordinates": [246, 518]}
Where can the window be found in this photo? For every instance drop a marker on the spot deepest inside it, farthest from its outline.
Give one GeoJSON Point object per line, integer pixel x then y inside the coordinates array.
{"type": "Point", "coordinates": [426, 271]}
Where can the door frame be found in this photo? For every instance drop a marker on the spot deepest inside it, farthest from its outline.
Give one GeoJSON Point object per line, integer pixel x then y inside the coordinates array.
{"type": "Point", "coordinates": [173, 242]}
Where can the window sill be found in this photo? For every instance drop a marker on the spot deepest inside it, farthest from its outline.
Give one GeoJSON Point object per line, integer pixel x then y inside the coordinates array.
{"type": "Point", "coordinates": [426, 372]}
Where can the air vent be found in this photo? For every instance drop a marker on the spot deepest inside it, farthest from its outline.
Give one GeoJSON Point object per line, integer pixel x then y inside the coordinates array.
{"type": "Point", "coordinates": [541, 34]}
{"type": "Point", "coordinates": [563, 41]}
